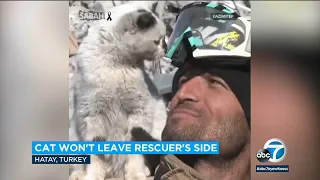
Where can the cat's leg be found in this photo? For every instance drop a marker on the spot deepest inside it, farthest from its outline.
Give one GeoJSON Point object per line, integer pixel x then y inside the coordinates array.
{"type": "Point", "coordinates": [105, 166]}
{"type": "Point", "coordinates": [159, 119]}
{"type": "Point", "coordinates": [96, 169]}
{"type": "Point", "coordinates": [136, 168]}
{"type": "Point", "coordinates": [77, 175]}
{"type": "Point", "coordinates": [91, 129]}
{"type": "Point", "coordinates": [76, 171]}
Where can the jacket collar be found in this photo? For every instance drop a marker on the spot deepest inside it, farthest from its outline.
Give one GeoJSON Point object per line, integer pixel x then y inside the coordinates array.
{"type": "Point", "coordinates": [172, 168]}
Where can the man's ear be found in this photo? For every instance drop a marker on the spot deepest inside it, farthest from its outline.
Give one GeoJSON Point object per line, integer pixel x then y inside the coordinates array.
{"type": "Point", "coordinates": [145, 19]}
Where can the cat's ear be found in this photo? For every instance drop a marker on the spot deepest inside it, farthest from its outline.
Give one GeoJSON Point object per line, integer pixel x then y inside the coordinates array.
{"type": "Point", "coordinates": [145, 19]}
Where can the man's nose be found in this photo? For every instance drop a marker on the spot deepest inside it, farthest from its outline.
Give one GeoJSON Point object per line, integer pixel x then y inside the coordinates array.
{"type": "Point", "coordinates": [192, 90]}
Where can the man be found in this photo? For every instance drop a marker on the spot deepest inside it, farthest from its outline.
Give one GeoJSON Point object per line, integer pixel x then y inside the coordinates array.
{"type": "Point", "coordinates": [211, 99]}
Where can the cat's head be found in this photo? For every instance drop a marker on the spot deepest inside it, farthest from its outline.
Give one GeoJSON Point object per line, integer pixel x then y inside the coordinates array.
{"type": "Point", "coordinates": [142, 26]}
{"type": "Point", "coordinates": [146, 23]}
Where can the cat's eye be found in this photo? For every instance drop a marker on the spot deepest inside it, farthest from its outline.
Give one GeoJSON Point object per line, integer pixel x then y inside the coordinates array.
{"type": "Point", "coordinates": [157, 42]}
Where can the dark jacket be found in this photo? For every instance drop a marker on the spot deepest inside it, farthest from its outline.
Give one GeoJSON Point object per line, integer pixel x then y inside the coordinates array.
{"type": "Point", "coordinates": [172, 168]}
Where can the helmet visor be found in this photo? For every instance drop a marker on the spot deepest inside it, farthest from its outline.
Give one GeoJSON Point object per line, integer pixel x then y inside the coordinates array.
{"type": "Point", "coordinates": [212, 28]}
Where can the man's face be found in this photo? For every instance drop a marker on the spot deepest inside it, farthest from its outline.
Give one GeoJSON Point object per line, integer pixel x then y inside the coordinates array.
{"type": "Point", "coordinates": [205, 109]}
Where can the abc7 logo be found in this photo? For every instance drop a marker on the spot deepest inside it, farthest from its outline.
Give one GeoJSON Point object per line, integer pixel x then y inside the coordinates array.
{"type": "Point", "coordinates": [263, 155]}
{"type": "Point", "coordinates": [274, 151]}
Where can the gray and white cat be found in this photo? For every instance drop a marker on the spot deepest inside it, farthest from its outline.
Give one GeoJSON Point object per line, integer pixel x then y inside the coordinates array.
{"type": "Point", "coordinates": [114, 95]}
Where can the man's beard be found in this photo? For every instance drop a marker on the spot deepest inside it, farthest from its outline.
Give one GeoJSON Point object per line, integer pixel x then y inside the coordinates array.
{"type": "Point", "coordinates": [231, 134]}
{"type": "Point", "coordinates": [172, 132]}
{"type": "Point", "coordinates": [188, 133]}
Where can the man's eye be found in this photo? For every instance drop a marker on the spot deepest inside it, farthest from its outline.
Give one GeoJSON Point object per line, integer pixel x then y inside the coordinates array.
{"type": "Point", "coordinates": [182, 81]}
{"type": "Point", "coordinates": [213, 80]}
{"type": "Point", "coordinates": [217, 82]}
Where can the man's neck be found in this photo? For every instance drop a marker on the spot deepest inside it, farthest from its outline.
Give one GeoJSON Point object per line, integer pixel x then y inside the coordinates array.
{"type": "Point", "coordinates": [216, 169]}
{"type": "Point", "coordinates": [235, 169]}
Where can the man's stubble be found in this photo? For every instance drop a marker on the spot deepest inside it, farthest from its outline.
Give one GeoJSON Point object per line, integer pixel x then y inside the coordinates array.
{"type": "Point", "coordinates": [231, 132]}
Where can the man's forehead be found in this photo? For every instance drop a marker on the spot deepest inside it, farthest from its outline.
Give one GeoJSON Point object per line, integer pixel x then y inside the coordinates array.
{"type": "Point", "coordinates": [191, 71]}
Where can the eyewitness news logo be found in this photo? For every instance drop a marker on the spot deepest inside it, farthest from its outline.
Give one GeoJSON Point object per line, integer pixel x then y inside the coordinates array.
{"type": "Point", "coordinates": [51, 151]}
{"type": "Point", "coordinates": [274, 151]}
{"type": "Point", "coordinates": [272, 168]}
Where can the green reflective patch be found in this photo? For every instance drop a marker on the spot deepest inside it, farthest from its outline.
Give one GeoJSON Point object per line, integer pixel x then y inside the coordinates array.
{"type": "Point", "coordinates": [229, 11]}
{"type": "Point", "coordinates": [187, 30]}
{"type": "Point", "coordinates": [176, 44]}
{"type": "Point", "coordinates": [174, 47]}
{"type": "Point", "coordinates": [195, 41]}
{"type": "Point", "coordinates": [191, 41]}
{"type": "Point", "coordinates": [198, 41]}
{"type": "Point", "coordinates": [212, 5]}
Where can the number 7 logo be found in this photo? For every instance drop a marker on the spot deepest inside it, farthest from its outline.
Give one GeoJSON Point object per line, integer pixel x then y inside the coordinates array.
{"type": "Point", "coordinates": [277, 149]}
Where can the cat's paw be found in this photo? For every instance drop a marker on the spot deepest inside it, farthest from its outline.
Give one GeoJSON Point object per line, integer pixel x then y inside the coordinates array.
{"type": "Point", "coordinates": [147, 171]}
{"type": "Point", "coordinates": [77, 175]}
{"type": "Point", "coordinates": [93, 177]}
{"type": "Point", "coordinates": [136, 172]}
{"type": "Point", "coordinates": [135, 176]}
{"type": "Point", "coordinates": [135, 168]}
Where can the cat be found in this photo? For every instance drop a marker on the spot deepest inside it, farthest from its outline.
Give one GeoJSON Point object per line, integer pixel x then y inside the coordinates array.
{"type": "Point", "coordinates": [113, 94]}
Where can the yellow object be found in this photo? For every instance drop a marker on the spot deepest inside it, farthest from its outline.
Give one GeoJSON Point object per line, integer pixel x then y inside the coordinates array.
{"type": "Point", "coordinates": [227, 40]}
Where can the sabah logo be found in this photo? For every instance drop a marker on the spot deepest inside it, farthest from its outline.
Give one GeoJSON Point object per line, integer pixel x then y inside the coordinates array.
{"type": "Point", "coordinates": [274, 150]}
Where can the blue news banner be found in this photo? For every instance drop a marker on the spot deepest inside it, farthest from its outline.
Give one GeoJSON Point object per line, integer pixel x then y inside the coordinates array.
{"type": "Point", "coordinates": [75, 152]}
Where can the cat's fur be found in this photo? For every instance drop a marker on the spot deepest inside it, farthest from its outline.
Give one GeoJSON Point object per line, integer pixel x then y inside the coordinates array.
{"type": "Point", "coordinates": [113, 93]}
